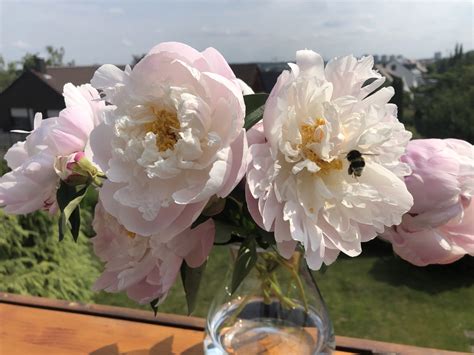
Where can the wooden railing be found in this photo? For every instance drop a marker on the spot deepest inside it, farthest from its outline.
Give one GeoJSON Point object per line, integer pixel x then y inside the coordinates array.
{"type": "Point", "coordinates": [33, 325]}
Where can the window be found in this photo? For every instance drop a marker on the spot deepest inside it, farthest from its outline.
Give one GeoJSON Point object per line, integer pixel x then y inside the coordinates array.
{"type": "Point", "coordinates": [393, 67]}
{"type": "Point", "coordinates": [19, 112]}
{"type": "Point", "coordinates": [22, 118]}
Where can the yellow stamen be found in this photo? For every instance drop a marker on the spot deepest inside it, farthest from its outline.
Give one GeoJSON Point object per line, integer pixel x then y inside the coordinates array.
{"type": "Point", "coordinates": [131, 235]}
{"type": "Point", "coordinates": [165, 127]}
{"type": "Point", "coordinates": [310, 134]}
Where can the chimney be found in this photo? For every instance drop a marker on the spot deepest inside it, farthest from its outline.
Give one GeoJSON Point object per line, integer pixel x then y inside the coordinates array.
{"type": "Point", "coordinates": [40, 65]}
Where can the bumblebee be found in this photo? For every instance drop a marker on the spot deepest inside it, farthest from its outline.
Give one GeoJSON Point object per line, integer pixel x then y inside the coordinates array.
{"type": "Point", "coordinates": [356, 163]}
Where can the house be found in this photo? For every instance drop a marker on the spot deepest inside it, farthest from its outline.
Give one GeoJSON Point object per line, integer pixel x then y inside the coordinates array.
{"type": "Point", "coordinates": [40, 90]}
{"type": "Point", "coordinates": [36, 90]}
{"type": "Point", "coordinates": [411, 72]}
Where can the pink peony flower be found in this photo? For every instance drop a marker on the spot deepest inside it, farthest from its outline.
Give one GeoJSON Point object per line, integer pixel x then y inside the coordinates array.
{"type": "Point", "coordinates": [300, 182]}
{"type": "Point", "coordinates": [439, 228]}
{"type": "Point", "coordinates": [146, 267]}
{"type": "Point", "coordinates": [32, 183]}
{"type": "Point", "coordinates": [173, 138]}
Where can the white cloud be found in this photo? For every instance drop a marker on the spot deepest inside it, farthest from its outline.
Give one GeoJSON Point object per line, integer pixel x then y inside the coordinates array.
{"type": "Point", "coordinates": [115, 10]}
{"type": "Point", "coordinates": [126, 42]}
{"type": "Point", "coordinates": [218, 32]}
{"type": "Point", "coordinates": [21, 44]}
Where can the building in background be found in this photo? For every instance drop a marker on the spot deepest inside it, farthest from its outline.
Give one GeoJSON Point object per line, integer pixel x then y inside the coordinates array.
{"type": "Point", "coordinates": [36, 90]}
{"type": "Point", "coordinates": [410, 71]}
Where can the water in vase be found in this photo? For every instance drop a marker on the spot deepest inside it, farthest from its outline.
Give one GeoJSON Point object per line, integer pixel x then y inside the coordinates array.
{"type": "Point", "coordinates": [253, 327]}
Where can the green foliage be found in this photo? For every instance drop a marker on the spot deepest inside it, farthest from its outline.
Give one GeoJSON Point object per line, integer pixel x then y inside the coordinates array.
{"type": "Point", "coordinates": [3, 167]}
{"type": "Point", "coordinates": [33, 262]}
{"type": "Point", "coordinates": [246, 259]}
{"type": "Point", "coordinates": [255, 105]}
{"type": "Point", "coordinates": [382, 297]}
{"type": "Point", "coordinates": [55, 56]}
{"type": "Point", "coordinates": [8, 73]}
{"type": "Point", "coordinates": [445, 107]}
{"type": "Point", "coordinates": [69, 199]}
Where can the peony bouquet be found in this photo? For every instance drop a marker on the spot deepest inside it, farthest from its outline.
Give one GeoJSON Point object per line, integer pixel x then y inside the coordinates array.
{"type": "Point", "coordinates": [185, 156]}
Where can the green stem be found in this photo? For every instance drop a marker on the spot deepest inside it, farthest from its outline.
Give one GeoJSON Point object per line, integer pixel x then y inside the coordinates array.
{"type": "Point", "coordinates": [293, 267]}
{"type": "Point", "coordinates": [301, 289]}
{"type": "Point", "coordinates": [239, 309]}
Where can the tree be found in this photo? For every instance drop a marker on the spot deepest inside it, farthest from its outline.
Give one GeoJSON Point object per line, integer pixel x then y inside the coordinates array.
{"type": "Point", "coordinates": [444, 108]}
{"type": "Point", "coordinates": [8, 73]}
{"type": "Point", "coordinates": [34, 262]}
{"type": "Point", "coordinates": [55, 56]}
{"type": "Point", "coordinates": [29, 61]}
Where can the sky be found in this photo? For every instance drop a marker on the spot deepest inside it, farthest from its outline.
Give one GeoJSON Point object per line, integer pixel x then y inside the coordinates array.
{"type": "Point", "coordinates": [105, 31]}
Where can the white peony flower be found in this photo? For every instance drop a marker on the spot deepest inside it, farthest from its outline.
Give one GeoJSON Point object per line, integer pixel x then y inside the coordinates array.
{"type": "Point", "coordinates": [173, 138]}
{"type": "Point", "coordinates": [300, 182]}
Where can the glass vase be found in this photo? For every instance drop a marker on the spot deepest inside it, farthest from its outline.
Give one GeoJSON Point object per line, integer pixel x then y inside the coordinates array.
{"type": "Point", "coordinates": [277, 309]}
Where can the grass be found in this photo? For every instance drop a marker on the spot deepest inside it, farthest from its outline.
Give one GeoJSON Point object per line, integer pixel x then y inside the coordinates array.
{"type": "Point", "coordinates": [375, 296]}
{"type": "Point", "coordinates": [385, 298]}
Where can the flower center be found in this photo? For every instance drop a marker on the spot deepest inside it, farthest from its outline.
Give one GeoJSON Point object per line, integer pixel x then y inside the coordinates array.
{"type": "Point", "coordinates": [313, 133]}
{"type": "Point", "coordinates": [165, 127]}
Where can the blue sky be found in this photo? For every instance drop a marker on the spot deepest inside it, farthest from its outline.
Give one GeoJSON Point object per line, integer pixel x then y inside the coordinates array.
{"type": "Point", "coordinates": [94, 31]}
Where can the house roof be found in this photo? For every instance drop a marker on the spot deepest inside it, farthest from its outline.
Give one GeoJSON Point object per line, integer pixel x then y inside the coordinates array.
{"type": "Point", "coordinates": [57, 77]}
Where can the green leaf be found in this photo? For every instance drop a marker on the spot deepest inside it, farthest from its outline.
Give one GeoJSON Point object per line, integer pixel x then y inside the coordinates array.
{"type": "Point", "coordinates": [246, 259]}
{"type": "Point", "coordinates": [191, 278]}
{"type": "Point", "coordinates": [154, 305]}
{"type": "Point", "coordinates": [224, 231]}
{"type": "Point", "coordinates": [75, 221]}
{"type": "Point", "coordinates": [254, 101]}
{"type": "Point", "coordinates": [323, 269]}
{"type": "Point", "coordinates": [265, 239]}
{"type": "Point", "coordinates": [254, 107]}
{"type": "Point", "coordinates": [69, 198]}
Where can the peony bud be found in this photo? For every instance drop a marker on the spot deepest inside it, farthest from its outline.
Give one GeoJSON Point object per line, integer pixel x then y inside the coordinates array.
{"type": "Point", "coordinates": [76, 169]}
{"type": "Point", "coordinates": [439, 228]}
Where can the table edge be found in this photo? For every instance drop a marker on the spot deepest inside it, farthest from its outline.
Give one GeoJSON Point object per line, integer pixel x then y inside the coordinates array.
{"type": "Point", "coordinates": [362, 346]}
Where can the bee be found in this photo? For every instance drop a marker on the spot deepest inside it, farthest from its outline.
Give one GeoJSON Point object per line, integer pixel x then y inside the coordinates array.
{"type": "Point", "coordinates": [357, 163]}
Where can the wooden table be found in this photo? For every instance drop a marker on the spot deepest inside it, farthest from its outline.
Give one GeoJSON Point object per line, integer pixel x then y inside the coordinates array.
{"type": "Point", "coordinates": [33, 325]}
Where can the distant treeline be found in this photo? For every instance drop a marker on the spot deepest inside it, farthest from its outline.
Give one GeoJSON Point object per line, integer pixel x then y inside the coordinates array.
{"type": "Point", "coordinates": [444, 107]}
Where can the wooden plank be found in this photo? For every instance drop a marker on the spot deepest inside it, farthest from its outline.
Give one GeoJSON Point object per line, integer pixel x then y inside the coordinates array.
{"type": "Point", "coordinates": [379, 347]}
{"type": "Point", "coordinates": [173, 322]}
{"type": "Point", "coordinates": [30, 330]}
{"type": "Point", "coordinates": [186, 322]}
